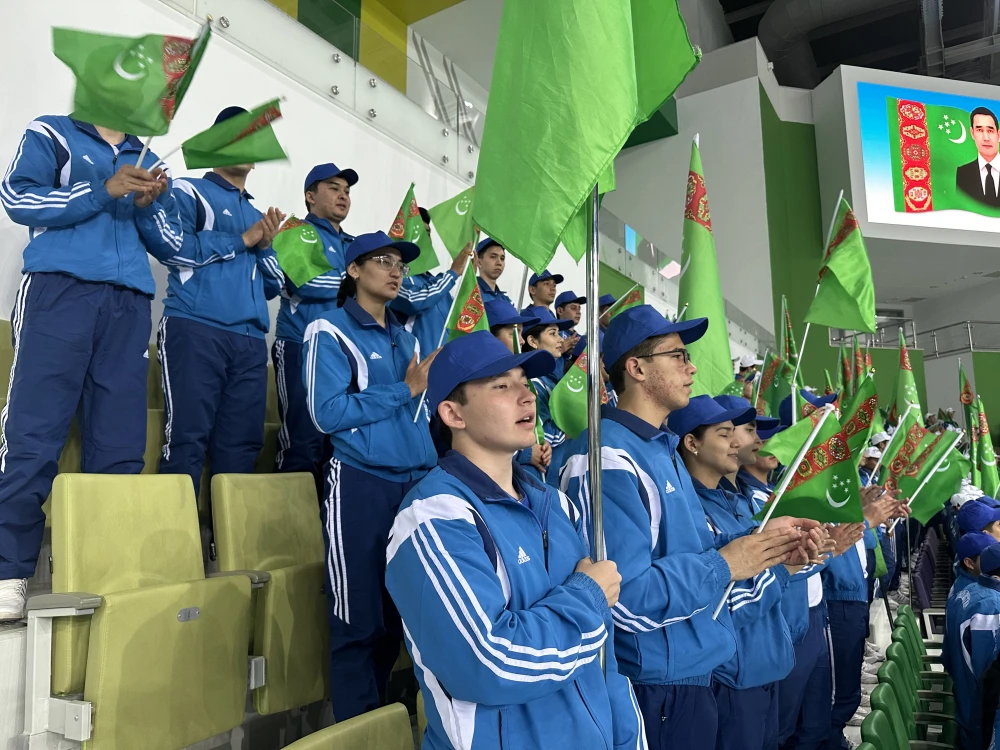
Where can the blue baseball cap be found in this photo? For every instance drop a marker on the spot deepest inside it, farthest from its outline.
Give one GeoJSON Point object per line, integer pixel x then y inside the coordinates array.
{"type": "Point", "coordinates": [478, 355]}
{"type": "Point", "coordinates": [976, 516]}
{"type": "Point", "coordinates": [630, 328]}
{"type": "Point", "coordinates": [325, 171]}
{"type": "Point", "coordinates": [771, 432]}
{"type": "Point", "coordinates": [544, 276]}
{"type": "Point", "coordinates": [229, 112]}
{"type": "Point", "coordinates": [703, 410]}
{"type": "Point", "coordinates": [500, 312]}
{"type": "Point", "coordinates": [366, 243]}
{"type": "Point", "coordinates": [785, 408]}
{"type": "Point", "coordinates": [581, 344]}
{"type": "Point", "coordinates": [605, 300]}
{"type": "Point", "coordinates": [987, 500]}
{"type": "Point", "coordinates": [568, 298]}
{"type": "Point", "coordinates": [973, 544]}
{"type": "Point", "coordinates": [738, 402]}
{"type": "Point", "coordinates": [488, 242]}
{"type": "Point", "coordinates": [989, 559]}
{"type": "Point", "coordinates": [546, 318]}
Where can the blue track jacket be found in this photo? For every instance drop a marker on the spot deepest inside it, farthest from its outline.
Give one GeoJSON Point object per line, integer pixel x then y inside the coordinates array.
{"type": "Point", "coordinates": [55, 187]}
{"type": "Point", "coordinates": [426, 299]}
{"type": "Point", "coordinates": [973, 638]}
{"type": "Point", "coordinates": [300, 306]}
{"type": "Point", "coordinates": [214, 278]}
{"type": "Point", "coordinates": [952, 620]}
{"type": "Point", "coordinates": [504, 636]}
{"type": "Point", "coordinates": [353, 370]}
{"type": "Point", "coordinates": [845, 577]}
{"type": "Point", "coordinates": [656, 531]}
{"type": "Point", "coordinates": [764, 652]}
{"type": "Point", "coordinates": [489, 294]}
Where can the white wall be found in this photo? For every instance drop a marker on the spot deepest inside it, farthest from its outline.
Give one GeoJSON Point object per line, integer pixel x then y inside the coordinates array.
{"type": "Point", "coordinates": [706, 24]}
{"type": "Point", "coordinates": [313, 129]}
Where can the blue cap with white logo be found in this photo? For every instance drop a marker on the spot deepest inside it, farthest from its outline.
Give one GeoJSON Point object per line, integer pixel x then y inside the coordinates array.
{"type": "Point", "coordinates": [630, 328]}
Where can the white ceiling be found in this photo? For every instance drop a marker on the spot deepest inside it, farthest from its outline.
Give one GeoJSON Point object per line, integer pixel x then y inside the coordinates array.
{"type": "Point", "coordinates": [467, 33]}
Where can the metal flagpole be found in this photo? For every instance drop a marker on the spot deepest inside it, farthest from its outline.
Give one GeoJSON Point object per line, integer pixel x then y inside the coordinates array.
{"type": "Point", "coordinates": [594, 389]}
{"type": "Point", "coordinates": [524, 286]}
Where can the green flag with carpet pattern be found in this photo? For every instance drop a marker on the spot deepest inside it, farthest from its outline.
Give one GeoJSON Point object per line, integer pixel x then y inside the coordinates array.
{"type": "Point", "coordinates": [985, 456]}
{"type": "Point", "coordinates": [468, 314]}
{"type": "Point", "coordinates": [970, 408]}
{"type": "Point", "coordinates": [409, 226]}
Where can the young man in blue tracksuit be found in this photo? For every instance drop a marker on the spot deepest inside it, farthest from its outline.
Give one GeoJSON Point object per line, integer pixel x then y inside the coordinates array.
{"type": "Point", "coordinates": [211, 337]}
{"type": "Point", "coordinates": [745, 685]}
{"type": "Point", "coordinates": [491, 258]}
{"type": "Point", "coordinates": [80, 322]}
{"type": "Point", "coordinates": [301, 447]}
{"type": "Point", "coordinates": [504, 612]}
{"type": "Point", "coordinates": [363, 377]}
{"type": "Point", "coordinates": [425, 299]}
{"type": "Point", "coordinates": [542, 291]}
{"type": "Point", "coordinates": [569, 306]}
{"type": "Point", "coordinates": [666, 641]}
{"type": "Point", "coordinates": [973, 638]}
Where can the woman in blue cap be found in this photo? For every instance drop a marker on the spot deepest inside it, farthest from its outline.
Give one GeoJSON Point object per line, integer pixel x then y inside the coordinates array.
{"type": "Point", "coordinates": [363, 376]}
{"type": "Point", "coordinates": [544, 336]}
{"type": "Point", "coordinates": [745, 686]}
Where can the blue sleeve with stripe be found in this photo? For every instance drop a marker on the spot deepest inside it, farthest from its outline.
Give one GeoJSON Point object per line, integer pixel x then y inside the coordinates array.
{"type": "Point", "coordinates": [461, 631]}
{"type": "Point", "coordinates": [267, 267]}
{"type": "Point", "coordinates": [28, 193]}
{"type": "Point", "coordinates": [752, 598]}
{"type": "Point", "coordinates": [553, 435]}
{"type": "Point", "coordinates": [173, 229]}
{"type": "Point", "coordinates": [418, 295]}
{"type": "Point", "coordinates": [323, 288]}
{"type": "Point", "coordinates": [332, 392]}
{"type": "Point", "coordinates": [983, 641]}
{"type": "Point", "coordinates": [654, 593]}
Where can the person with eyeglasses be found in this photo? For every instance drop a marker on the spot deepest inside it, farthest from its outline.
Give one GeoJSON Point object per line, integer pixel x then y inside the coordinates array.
{"type": "Point", "coordinates": [674, 570]}
{"type": "Point", "coordinates": [363, 375]}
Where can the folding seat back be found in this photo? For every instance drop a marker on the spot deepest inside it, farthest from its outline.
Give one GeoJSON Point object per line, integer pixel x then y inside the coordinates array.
{"type": "Point", "coordinates": [386, 728]}
{"type": "Point", "coordinates": [270, 523]}
{"type": "Point", "coordinates": [878, 730]}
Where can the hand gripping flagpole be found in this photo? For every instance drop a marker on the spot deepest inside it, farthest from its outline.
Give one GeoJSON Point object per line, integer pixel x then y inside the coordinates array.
{"type": "Point", "coordinates": [785, 481]}
{"type": "Point", "coordinates": [932, 472]}
{"type": "Point", "coordinates": [594, 389]}
{"type": "Point", "coordinates": [878, 464]}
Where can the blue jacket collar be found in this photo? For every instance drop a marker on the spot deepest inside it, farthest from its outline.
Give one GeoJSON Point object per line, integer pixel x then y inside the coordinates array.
{"type": "Point", "coordinates": [365, 320]}
{"type": "Point", "coordinates": [131, 143]}
{"type": "Point", "coordinates": [325, 224]}
{"type": "Point", "coordinates": [225, 184]}
{"type": "Point", "coordinates": [478, 481]}
{"type": "Point", "coordinates": [640, 427]}
{"type": "Point", "coordinates": [751, 481]}
{"type": "Point", "coordinates": [989, 582]}
{"type": "Point", "coordinates": [483, 286]}
{"type": "Point", "coordinates": [961, 572]}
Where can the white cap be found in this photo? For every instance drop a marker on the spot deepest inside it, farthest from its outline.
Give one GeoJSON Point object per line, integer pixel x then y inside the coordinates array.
{"type": "Point", "coordinates": [750, 360]}
{"type": "Point", "coordinates": [871, 453]}
{"type": "Point", "coordinates": [929, 414]}
{"type": "Point", "coordinates": [880, 437]}
{"type": "Point", "coordinates": [950, 410]}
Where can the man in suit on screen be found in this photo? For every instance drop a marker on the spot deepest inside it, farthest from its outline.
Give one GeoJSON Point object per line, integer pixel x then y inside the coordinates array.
{"type": "Point", "coordinates": [979, 179]}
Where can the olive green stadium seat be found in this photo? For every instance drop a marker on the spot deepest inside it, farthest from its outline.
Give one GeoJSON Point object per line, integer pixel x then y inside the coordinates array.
{"type": "Point", "coordinates": [386, 728]}
{"type": "Point", "coordinates": [154, 382]}
{"type": "Point", "coordinates": [914, 725]}
{"type": "Point", "coordinates": [421, 716]}
{"type": "Point", "coordinates": [158, 651]}
{"type": "Point", "coordinates": [263, 465]}
{"type": "Point", "coordinates": [270, 522]}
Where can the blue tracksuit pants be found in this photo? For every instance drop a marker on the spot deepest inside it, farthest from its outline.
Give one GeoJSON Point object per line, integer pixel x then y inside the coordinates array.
{"type": "Point", "coordinates": [80, 349]}
{"type": "Point", "coordinates": [678, 716]}
{"type": "Point", "coordinates": [805, 696]}
{"type": "Point", "coordinates": [215, 392]}
{"type": "Point", "coordinates": [365, 629]}
{"type": "Point", "coordinates": [848, 626]}
{"type": "Point", "coordinates": [301, 447]}
{"type": "Point", "coordinates": [748, 718]}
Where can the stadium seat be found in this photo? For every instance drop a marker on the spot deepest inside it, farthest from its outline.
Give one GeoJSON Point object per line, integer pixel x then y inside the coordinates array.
{"type": "Point", "coordinates": [929, 679]}
{"type": "Point", "coordinates": [913, 725]}
{"type": "Point", "coordinates": [421, 716]}
{"type": "Point", "coordinates": [386, 728]}
{"type": "Point", "coordinates": [270, 522]}
{"type": "Point", "coordinates": [158, 651]}
{"type": "Point", "coordinates": [895, 671]}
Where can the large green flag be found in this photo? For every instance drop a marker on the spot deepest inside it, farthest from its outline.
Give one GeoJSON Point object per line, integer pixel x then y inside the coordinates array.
{"type": "Point", "coordinates": [131, 84]}
{"type": "Point", "coordinates": [985, 456]}
{"type": "Point", "coordinates": [773, 384]}
{"type": "Point", "coordinates": [408, 225]}
{"type": "Point", "coordinates": [845, 297]}
{"type": "Point", "coordinates": [788, 350]}
{"type": "Point", "coordinates": [825, 486]}
{"type": "Point", "coordinates": [468, 313]}
{"type": "Point", "coordinates": [700, 290]}
{"type": "Point", "coordinates": [244, 139]}
{"type": "Point", "coordinates": [568, 400]}
{"type": "Point", "coordinates": [846, 373]}
{"type": "Point", "coordinates": [906, 386]}
{"type": "Point", "coordinates": [785, 446]}
{"type": "Point", "coordinates": [571, 80]}
{"type": "Point", "coordinates": [300, 252]}
{"type": "Point", "coordinates": [453, 221]}
{"type": "Point", "coordinates": [970, 408]}
{"type": "Point", "coordinates": [857, 419]}
{"type": "Point", "coordinates": [933, 476]}
{"type": "Point", "coordinates": [904, 444]}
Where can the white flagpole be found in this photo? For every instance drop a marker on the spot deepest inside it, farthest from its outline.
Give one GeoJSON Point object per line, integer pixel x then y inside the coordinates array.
{"type": "Point", "coordinates": [755, 394]}
{"type": "Point", "coordinates": [524, 286]}
{"type": "Point", "coordinates": [932, 472]}
{"type": "Point", "coordinates": [162, 160]}
{"type": "Point", "coordinates": [785, 481]}
{"type": "Point", "coordinates": [878, 465]}
{"type": "Point", "coordinates": [142, 154]}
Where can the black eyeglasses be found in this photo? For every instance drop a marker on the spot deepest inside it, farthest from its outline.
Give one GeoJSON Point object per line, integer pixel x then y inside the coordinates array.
{"type": "Point", "coordinates": [681, 355]}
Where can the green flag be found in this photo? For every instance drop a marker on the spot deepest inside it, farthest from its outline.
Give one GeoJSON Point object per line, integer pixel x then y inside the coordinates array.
{"type": "Point", "coordinates": [408, 225]}
{"type": "Point", "coordinates": [539, 429]}
{"type": "Point", "coordinates": [858, 418]}
{"type": "Point", "coordinates": [735, 388]}
{"type": "Point", "coordinates": [568, 400]}
{"type": "Point", "coordinates": [453, 221]}
{"type": "Point", "coordinates": [633, 298]}
{"type": "Point", "coordinates": [970, 408]}
{"type": "Point", "coordinates": [906, 386]}
{"type": "Point", "coordinates": [300, 252]}
{"type": "Point", "coordinates": [858, 363]}
{"type": "Point", "coordinates": [700, 289]}
{"type": "Point", "coordinates": [790, 351]}
{"type": "Point", "coordinates": [845, 297]}
{"type": "Point", "coordinates": [903, 445]}
{"type": "Point", "coordinates": [985, 456]}
{"type": "Point", "coordinates": [828, 389]}
{"type": "Point", "coordinates": [846, 373]}
{"type": "Point", "coordinates": [785, 446]}
{"type": "Point", "coordinates": [826, 486]}
{"type": "Point", "coordinates": [563, 101]}
{"type": "Point", "coordinates": [131, 84]}
{"type": "Point", "coordinates": [773, 384]}
{"type": "Point", "coordinates": [468, 313]}
{"type": "Point", "coordinates": [936, 471]}
{"type": "Point", "coordinates": [244, 139]}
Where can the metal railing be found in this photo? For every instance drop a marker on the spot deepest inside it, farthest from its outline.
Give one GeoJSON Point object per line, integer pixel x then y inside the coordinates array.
{"type": "Point", "coordinates": [964, 336]}
{"type": "Point", "coordinates": [886, 334]}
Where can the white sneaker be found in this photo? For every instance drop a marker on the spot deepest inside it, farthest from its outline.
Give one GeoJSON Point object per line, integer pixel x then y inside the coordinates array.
{"type": "Point", "coordinates": [873, 649]}
{"type": "Point", "coordinates": [868, 679]}
{"type": "Point", "coordinates": [12, 599]}
{"type": "Point", "coordinates": [874, 659]}
{"type": "Point", "coordinates": [860, 715]}
{"type": "Point", "coordinates": [871, 668]}
{"type": "Point", "coordinates": [866, 701]}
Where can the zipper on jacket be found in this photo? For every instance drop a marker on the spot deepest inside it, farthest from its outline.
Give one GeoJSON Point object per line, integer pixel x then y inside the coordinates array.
{"type": "Point", "coordinates": [545, 546]}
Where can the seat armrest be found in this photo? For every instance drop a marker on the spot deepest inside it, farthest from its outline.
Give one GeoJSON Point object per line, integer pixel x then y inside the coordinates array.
{"type": "Point", "coordinates": [63, 605]}
{"type": "Point", "coordinates": [257, 577]}
{"type": "Point", "coordinates": [932, 717]}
